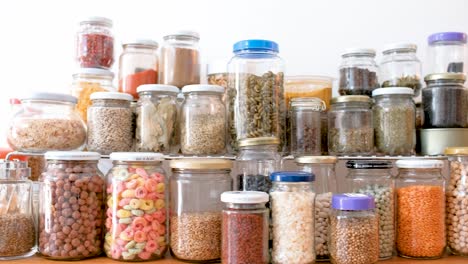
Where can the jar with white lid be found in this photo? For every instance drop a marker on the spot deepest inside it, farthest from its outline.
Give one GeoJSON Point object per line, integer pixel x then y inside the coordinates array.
{"type": "Point", "coordinates": [95, 43]}
{"type": "Point", "coordinates": [358, 72]}
{"type": "Point", "coordinates": [447, 52]}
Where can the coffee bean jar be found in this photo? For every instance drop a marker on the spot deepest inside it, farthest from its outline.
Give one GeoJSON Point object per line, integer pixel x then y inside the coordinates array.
{"type": "Point", "coordinates": [358, 72]}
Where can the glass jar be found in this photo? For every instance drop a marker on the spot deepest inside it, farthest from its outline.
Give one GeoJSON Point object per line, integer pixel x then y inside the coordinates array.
{"type": "Point", "coordinates": [110, 127]}
{"type": "Point", "coordinates": [179, 59]}
{"type": "Point", "coordinates": [445, 101]}
{"type": "Point", "coordinates": [156, 119]}
{"type": "Point", "coordinates": [308, 86]}
{"type": "Point", "coordinates": [394, 114]}
{"type": "Point", "coordinates": [138, 65]}
{"type": "Point", "coordinates": [447, 52]}
{"type": "Point", "coordinates": [245, 228]}
{"type": "Point", "coordinates": [196, 188]}
{"type": "Point", "coordinates": [136, 222]}
{"type": "Point", "coordinates": [95, 43]}
{"type": "Point", "coordinates": [71, 211]}
{"type": "Point", "coordinates": [358, 72]}
{"type": "Point", "coordinates": [420, 204]}
{"type": "Point", "coordinates": [256, 105]}
{"type": "Point", "coordinates": [350, 126]}
{"type": "Point", "coordinates": [203, 120]}
{"type": "Point", "coordinates": [373, 177]}
{"type": "Point", "coordinates": [42, 115]}
{"type": "Point", "coordinates": [292, 199]}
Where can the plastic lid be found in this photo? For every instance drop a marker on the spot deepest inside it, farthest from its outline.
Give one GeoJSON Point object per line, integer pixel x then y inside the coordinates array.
{"type": "Point", "coordinates": [256, 44]}
{"type": "Point", "coordinates": [200, 164]}
{"type": "Point", "coordinates": [456, 151]}
{"type": "Point", "coordinates": [259, 141]}
{"type": "Point", "coordinates": [247, 197]}
{"type": "Point", "coordinates": [97, 20]}
{"type": "Point", "coordinates": [399, 47]}
{"type": "Point", "coordinates": [368, 164]}
{"type": "Point", "coordinates": [352, 202]}
{"type": "Point", "coordinates": [447, 36]}
{"type": "Point", "coordinates": [157, 88]}
{"type": "Point", "coordinates": [111, 95]}
{"type": "Point", "coordinates": [358, 51]}
{"type": "Point", "coordinates": [392, 90]}
{"type": "Point", "coordinates": [136, 156]}
{"type": "Point", "coordinates": [141, 42]}
{"type": "Point", "coordinates": [94, 71]}
{"type": "Point", "coordinates": [316, 159]}
{"type": "Point", "coordinates": [202, 88]}
{"type": "Point", "coordinates": [311, 103]}
{"type": "Point", "coordinates": [51, 97]}
{"type": "Point", "coordinates": [292, 176]}
{"type": "Point", "coordinates": [71, 155]}
{"type": "Point", "coordinates": [187, 33]}
{"type": "Point", "coordinates": [419, 164]}
{"type": "Point", "coordinates": [445, 76]}
{"type": "Point", "coordinates": [351, 98]}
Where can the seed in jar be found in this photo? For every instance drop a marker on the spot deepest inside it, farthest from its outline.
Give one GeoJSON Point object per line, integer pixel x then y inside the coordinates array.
{"type": "Point", "coordinates": [204, 134]}
{"type": "Point", "coordinates": [322, 213]}
{"type": "Point", "coordinates": [350, 141]}
{"type": "Point", "coordinates": [17, 234]}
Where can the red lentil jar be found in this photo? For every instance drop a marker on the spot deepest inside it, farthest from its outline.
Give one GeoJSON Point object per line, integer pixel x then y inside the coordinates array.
{"type": "Point", "coordinates": [95, 43]}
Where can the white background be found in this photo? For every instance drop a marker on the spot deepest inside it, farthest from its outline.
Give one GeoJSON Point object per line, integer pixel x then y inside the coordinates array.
{"type": "Point", "coordinates": [37, 37]}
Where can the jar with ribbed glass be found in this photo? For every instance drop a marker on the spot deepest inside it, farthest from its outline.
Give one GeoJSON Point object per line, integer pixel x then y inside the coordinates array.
{"type": "Point", "coordinates": [358, 72]}
{"type": "Point", "coordinates": [95, 43]}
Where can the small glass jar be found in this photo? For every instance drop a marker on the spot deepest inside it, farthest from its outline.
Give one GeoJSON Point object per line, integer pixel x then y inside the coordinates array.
{"type": "Point", "coordinates": [110, 127]}
{"type": "Point", "coordinates": [245, 228]}
{"type": "Point", "coordinates": [156, 118]}
{"type": "Point", "coordinates": [203, 120]}
{"type": "Point", "coordinates": [95, 43]}
{"type": "Point", "coordinates": [350, 126]}
{"type": "Point", "coordinates": [292, 199]}
{"type": "Point", "coordinates": [47, 121]}
{"type": "Point", "coordinates": [447, 52]}
{"type": "Point", "coordinates": [373, 177]}
{"type": "Point", "coordinates": [179, 59]}
{"type": "Point", "coordinates": [138, 65]}
{"type": "Point", "coordinates": [71, 211]}
{"type": "Point", "coordinates": [394, 114]}
{"type": "Point", "coordinates": [420, 205]}
{"type": "Point", "coordinates": [196, 187]}
{"type": "Point", "coordinates": [136, 222]}
{"type": "Point", "coordinates": [445, 101]}
{"type": "Point", "coordinates": [358, 72]}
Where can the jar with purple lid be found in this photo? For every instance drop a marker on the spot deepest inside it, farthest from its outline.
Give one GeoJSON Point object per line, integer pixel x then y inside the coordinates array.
{"type": "Point", "coordinates": [447, 52]}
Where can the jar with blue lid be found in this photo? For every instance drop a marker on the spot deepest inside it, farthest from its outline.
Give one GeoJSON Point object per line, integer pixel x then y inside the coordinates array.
{"type": "Point", "coordinates": [447, 52]}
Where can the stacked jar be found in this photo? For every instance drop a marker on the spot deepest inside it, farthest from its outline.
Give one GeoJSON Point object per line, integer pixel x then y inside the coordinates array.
{"type": "Point", "coordinates": [447, 52]}
{"type": "Point", "coordinates": [358, 72]}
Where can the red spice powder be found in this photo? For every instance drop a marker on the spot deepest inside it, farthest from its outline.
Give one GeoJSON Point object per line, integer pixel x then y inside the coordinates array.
{"type": "Point", "coordinates": [131, 82]}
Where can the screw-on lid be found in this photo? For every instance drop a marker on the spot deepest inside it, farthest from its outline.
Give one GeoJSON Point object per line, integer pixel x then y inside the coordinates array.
{"type": "Point", "coordinates": [456, 151]}
{"type": "Point", "coordinates": [309, 103]}
{"type": "Point", "coordinates": [71, 155]}
{"type": "Point", "coordinates": [352, 202]}
{"type": "Point", "coordinates": [93, 72]}
{"type": "Point", "coordinates": [316, 159]}
{"type": "Point", "coordinates": [351, 98]}
{"type": "Point", "coordinates": [292, 176]}
{"type": "Point", "coordinates": [368, 164]}
{"type": "Point", "coordinates": [157, 88]}
{"type": "Point", "coordinates": [186, 33]}
{"type": "Point", "coordinates": [258, 141]}
{"type": "Point", "coordinates": [256, 45]}
{"type": "Point", "coordinates": [97, 20]}
{"type": "Point", "coordinates": [447, 36]}
{"type": "Point", "coordinates": [201, 164]}
{"type": "Point", "coordinates": [247, 197]}
{"type": "Point", "coordinates": [136, 156]}
{"type": "Point", "coordinates": [419, 164]}
{"type": "Point", "coordinates": [111, 95]}
{"type": "Point", "coordinates": [358, 51]}
{"type": "Point", "coordinates": [51, 97]}
{"type": "Point", "coordinates": [399, 47]}
{"type": "Point", "coordinates": [392, 90]}
{"type": "Point", "coordinates": [141, 42]}
{"type": "Point", "coordinates": [202, 88]}
{"type": "Point", "coordinates": [445, 76]}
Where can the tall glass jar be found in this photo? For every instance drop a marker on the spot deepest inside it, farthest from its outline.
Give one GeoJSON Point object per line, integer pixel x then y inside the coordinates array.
{"type": "Point", "coordinates": [71, 209]}
{"type": "Point", "coordinates": [420, 204]}
{"type": "Point", "coordinates": [196, 188]}
{"type": "Point", "coordinates": [244, 228]}
{"type": "Point", "coordinates": [138, 65]}
{"type": "Point", "coordinates": [447, 52]}
{"type": "Point", "coordinates": [137, 197]}
{"type": "Point", "coordinates": [358, 72]}
{"type": "Point", "coordinates": [394, 114]}
{"type": "Point", "coordinates": [350, 126]}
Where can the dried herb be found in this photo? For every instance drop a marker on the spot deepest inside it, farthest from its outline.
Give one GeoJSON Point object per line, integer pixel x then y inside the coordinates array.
{"type": "Point", "coordinates": [410, 81]}
{"type": "Point", "coordinates": [357, 81]}
{"type": "Point", "coordinates": [350, 141]}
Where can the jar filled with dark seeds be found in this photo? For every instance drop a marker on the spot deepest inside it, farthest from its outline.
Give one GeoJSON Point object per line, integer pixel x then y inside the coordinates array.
{"type": "Point", "coordinates": [358, 72]}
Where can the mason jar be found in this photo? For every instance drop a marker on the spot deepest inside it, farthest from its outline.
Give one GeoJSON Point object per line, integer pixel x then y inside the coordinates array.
{"type": "Point", "coordinates": [447, 52]}
{"type": "Point", "coordinates": [358, 72]}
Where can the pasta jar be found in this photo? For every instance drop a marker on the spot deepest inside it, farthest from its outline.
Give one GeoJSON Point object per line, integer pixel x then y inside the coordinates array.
{"type": "Point", "coordinates": [358, 72]}
{"type": "Point", "coordinates": [47, 121]}
{"type": "Point", "coordinates": [244, 228]}
{"type": "Point", "coordinates": [292, 211]}
{"type": "Point", "coordinates": [394, 114]}
{"type": "Point", "coordinates": [420, 204]}
{"type": "Point", "coordinates": [373, 177]}
{"type": "Point", "coordinates": [110, 123]}
{"type": "Point", "coordinates": [136, 217]}
{"type": "Point", "coordinates": [138, 65]}
{"type": "Point", "coordinates": [196, 188]}
{"type": "Point", "coordinates": [71, 206]}
{"type": "Point", "coordinates": [354, 229]}
{"type": "Point", "coordinates": [95, 43]}
{"type": "Point", "coordinates": [350, 126]}
{"type": "Point", "coordinates": [447, 52]}
{"type": "Point", "coordinates": [156, 118]}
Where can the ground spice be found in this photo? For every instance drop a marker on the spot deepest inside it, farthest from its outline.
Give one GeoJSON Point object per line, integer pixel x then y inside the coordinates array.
{"type": "Point", "coordinates": [132, 81]}
{"type": "Point", "coordinates": [179, 66]}
{"type": "Point", "coordinates": [17, 234]}
{"type": "Point", "coordinates": [95, 51]}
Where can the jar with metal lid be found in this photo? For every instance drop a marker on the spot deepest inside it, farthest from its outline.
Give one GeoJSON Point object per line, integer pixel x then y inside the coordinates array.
{"type": "Point", "coordinates": [179, 59]}
{"type": "Point", "coordinates": [447, 52]}
{"type": "Point", "coordinates": [374, 178]}
{"type": "Point", "coordinates": [394, 114]}
{"type": "Point", "coordinates": [358, 72]}
{"type": "Point", "coordinates": [110, 127]}
{"type": "Point", "coordinates": [350, 126]}
{"type": "Point", "coordinates": [420, 205]}
{"type": "Point", "coordinates": [245, 228]}
{"type": "Point", "coordinates": [47, 121]}
{"type": "Point", "coordinates": [137, 197]}
{"type": "Point", "coordinates": [71, 211]}
{"type": "Point", "coordinates": [156, 118]}
{"type": "Point", "coordinates": [138, 65]}
{"type": "Point", "coordinates": [195, 207]}
{"type": "Point", "coordinates": [292, 200]}
{"type": "Point", "coordinates": [354, 229]}
{"type": "Point", "coordinates": [445, 101]}
{"type": "Point", "coordinates": [95, 43]}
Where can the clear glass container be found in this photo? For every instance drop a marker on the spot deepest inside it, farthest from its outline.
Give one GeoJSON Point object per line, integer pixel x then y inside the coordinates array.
{"type": "Point", "coordinates": [447, 52]}
{"type": "Point", "coordinates": [216, 74]}
{"type": "Point", "coordinates": [350, 126]}
{"type": "Point", "coordinates": [138, 65]}
{"type": "Point", "coordinates": [136, 216]}
{"type": "Point", "coordinates": [245, 228]}
{"type": "Point", "coordinates": [196, 188]}
{"type": "Point", "coordinates": [308, 86]}
{"type": "Point", "coordinates": [358, 72]}
{"type": "Point", "coordinates": [420, 209]}
{"type": "Point", "coordinates": [71, 212]}
{"type": "Point", "coordinates": [47, 121]}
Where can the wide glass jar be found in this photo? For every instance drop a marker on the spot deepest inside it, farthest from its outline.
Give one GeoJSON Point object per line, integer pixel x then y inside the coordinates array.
{"type": "Point", "coordinates": [71, 211]}
{"type": "Point", "coordinates": [245, 228]}
{"type": "Point", "coordinates": [196, 188]}
{"type": "Point", "coordinates": [350, 126]}
{"type": "Point", "coordinates": [447, 52]}
{"type": "Point", "coordinates": [420, 205]}
{"type": "Point", "coordinates": [394, 114]}
{"type": "Point", "coordinates": [136, 216]}
{"type": "Point", "coordinates": [138, 65]}
{"type": "Point", "coordinates": [358, 72]}
{"type": "Point", "coordinates": [47, 121]}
